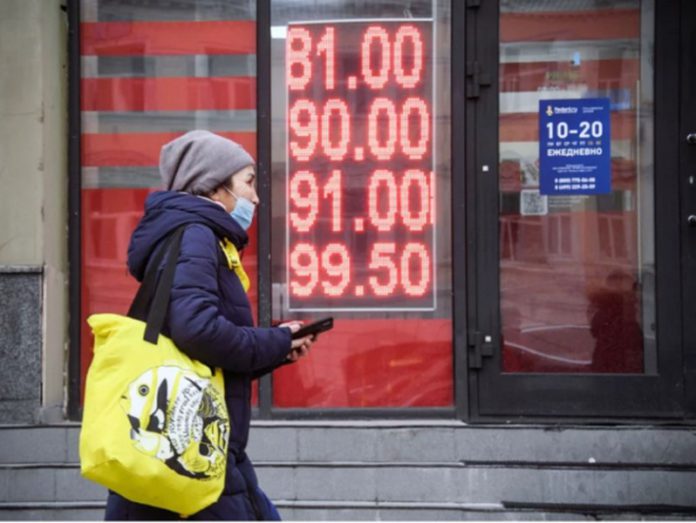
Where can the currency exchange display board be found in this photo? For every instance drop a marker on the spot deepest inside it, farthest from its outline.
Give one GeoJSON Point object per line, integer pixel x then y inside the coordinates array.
{"type": "Point", "coordinates": [360, 193]}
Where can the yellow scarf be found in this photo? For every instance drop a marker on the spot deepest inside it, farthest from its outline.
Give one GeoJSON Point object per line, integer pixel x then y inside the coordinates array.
{"type": "Point", "coordinates": [234, 262]}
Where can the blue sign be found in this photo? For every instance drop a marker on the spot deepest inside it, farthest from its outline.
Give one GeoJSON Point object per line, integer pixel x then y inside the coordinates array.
{"type": "Point", "coordinates": [575, 146]}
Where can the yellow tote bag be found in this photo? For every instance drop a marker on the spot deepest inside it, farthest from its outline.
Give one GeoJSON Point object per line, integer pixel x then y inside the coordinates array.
{"type": "Point", "coordinates": [155, 425]}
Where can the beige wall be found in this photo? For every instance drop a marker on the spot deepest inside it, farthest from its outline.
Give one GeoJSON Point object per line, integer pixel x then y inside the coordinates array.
{"type": "Point", "coordinates": [33, 163]}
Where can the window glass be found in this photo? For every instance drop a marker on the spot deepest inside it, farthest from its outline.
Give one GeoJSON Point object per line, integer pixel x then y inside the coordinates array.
{"type": "Point", "coordinates": [576, 186]}
{"type": "Point", "coordinates": [361, 214]}
{"type": "Point", "coordinates": [150, 72]}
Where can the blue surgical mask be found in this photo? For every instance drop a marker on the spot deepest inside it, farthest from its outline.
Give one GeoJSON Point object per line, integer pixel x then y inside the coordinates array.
{"type": "Point", "coordinates": [243, 212]}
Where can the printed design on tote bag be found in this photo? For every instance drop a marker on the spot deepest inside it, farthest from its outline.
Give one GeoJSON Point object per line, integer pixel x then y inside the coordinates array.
{"type": "Point", "coordinates": [179, 418]}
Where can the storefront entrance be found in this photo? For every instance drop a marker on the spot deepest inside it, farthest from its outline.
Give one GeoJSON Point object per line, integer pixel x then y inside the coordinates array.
{"type": "Point", "coordinates": [577, 113]}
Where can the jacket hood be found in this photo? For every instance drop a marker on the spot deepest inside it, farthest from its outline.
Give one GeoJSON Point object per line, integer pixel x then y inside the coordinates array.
{"type": "Point", "coordinates": [167, 210]}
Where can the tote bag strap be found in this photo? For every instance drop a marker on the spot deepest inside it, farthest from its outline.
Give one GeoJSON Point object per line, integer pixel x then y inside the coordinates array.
{"type": "Point", "coordinates": [152, 300]}
{"type": "Point", "coordinates": [141, 302]}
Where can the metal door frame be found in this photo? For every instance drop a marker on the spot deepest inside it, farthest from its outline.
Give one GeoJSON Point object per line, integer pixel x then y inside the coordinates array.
{"type": "Point", "coordinates": [683, 23]}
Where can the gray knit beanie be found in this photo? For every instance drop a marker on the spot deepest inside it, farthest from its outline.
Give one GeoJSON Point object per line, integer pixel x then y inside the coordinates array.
{"type": "Point", "coordinates": [199, 161]}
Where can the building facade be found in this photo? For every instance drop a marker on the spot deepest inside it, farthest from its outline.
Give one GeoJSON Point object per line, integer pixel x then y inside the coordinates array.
{"type": "Point", "coordinates": [494, 199]}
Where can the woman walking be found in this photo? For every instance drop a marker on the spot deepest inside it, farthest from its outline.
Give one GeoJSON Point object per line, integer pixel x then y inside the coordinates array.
{"type": "Point", "coordinates": [210, 186]}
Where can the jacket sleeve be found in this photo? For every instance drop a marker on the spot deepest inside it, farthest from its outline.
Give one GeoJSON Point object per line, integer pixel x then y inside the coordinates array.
{"type": "Point", "coordinates": [196, 324]}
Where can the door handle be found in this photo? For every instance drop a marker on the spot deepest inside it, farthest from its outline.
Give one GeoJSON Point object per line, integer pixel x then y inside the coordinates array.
{"type": "Point", "coordinates": [691, 138]}
{"type": "Point", "coordinates": [691, 220]}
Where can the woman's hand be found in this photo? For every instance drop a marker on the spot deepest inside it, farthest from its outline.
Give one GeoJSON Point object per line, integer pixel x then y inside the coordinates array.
{"type": "Point", "coordinates": [300, 346]}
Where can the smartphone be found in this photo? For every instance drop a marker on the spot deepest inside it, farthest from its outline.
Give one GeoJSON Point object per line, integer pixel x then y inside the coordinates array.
{"type": "Point", "coordinates": [316, 327]}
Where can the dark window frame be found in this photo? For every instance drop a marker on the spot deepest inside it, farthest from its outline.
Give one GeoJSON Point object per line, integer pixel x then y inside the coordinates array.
{"type": "Point", "coordinates": [74, 409]}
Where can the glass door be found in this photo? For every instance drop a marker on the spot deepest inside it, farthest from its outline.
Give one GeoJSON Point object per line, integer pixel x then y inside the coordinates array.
{"type": "Point", "coordinates": [572, 327]}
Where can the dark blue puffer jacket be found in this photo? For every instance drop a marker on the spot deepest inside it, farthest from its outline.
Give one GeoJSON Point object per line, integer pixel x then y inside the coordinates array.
{"type": "Point", "coordinates": [210, 319]}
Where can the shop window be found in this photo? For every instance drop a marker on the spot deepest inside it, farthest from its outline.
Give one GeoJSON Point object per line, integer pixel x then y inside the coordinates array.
{"type": "Point", "coordinates": [361, 200]}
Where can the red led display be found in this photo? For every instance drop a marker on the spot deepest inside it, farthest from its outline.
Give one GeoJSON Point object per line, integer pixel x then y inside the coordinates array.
{"type": "Point", "coordinates": [361, 195]}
